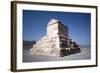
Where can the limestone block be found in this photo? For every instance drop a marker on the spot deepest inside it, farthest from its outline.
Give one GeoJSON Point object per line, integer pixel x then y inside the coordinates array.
{"type": "Point", "coordinates": [56, 42]}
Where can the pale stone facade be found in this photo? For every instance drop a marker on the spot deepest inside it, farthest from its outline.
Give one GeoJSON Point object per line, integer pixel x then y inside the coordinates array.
{"type": "Point", "coordinates": [55, 42]}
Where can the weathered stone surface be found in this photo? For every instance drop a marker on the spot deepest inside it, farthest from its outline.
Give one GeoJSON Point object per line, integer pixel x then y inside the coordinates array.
{"type": "Point", "coordinates": [55, 42]}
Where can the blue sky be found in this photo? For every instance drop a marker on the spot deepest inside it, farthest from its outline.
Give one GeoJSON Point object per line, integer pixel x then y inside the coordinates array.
{"type": "Point", "coordinates": [35, 23]}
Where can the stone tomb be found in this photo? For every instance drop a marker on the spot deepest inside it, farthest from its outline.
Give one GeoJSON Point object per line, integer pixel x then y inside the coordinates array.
{"type": "Point", "coordinates": [55, 42]}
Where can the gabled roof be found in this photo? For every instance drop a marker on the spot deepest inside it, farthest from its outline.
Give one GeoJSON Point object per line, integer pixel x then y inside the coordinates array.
{"type": "Point", "coordinates": [52, 21]}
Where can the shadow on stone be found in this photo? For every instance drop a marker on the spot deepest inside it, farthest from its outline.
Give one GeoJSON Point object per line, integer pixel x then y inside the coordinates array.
{"type": "Point", "coordinates": [64, 52]}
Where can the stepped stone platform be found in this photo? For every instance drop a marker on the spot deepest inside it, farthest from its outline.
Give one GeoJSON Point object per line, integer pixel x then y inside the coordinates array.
{"type": "Point", "coordinates": [56, 41]}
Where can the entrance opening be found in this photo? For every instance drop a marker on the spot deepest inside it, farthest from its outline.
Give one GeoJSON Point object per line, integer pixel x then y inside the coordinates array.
{"type": "Point", "coordinates": [63, 45]}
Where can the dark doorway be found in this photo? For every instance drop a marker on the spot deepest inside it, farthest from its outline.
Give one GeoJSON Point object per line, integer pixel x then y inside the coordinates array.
{"type": "Point", "coordinates": [63, 45]}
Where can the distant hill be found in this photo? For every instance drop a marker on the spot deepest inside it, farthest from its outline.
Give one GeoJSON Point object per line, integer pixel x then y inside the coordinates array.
{"type": "Point", "coordinates": [84, 46]}
{"type": "Point", "coordinates": [28, 44]}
